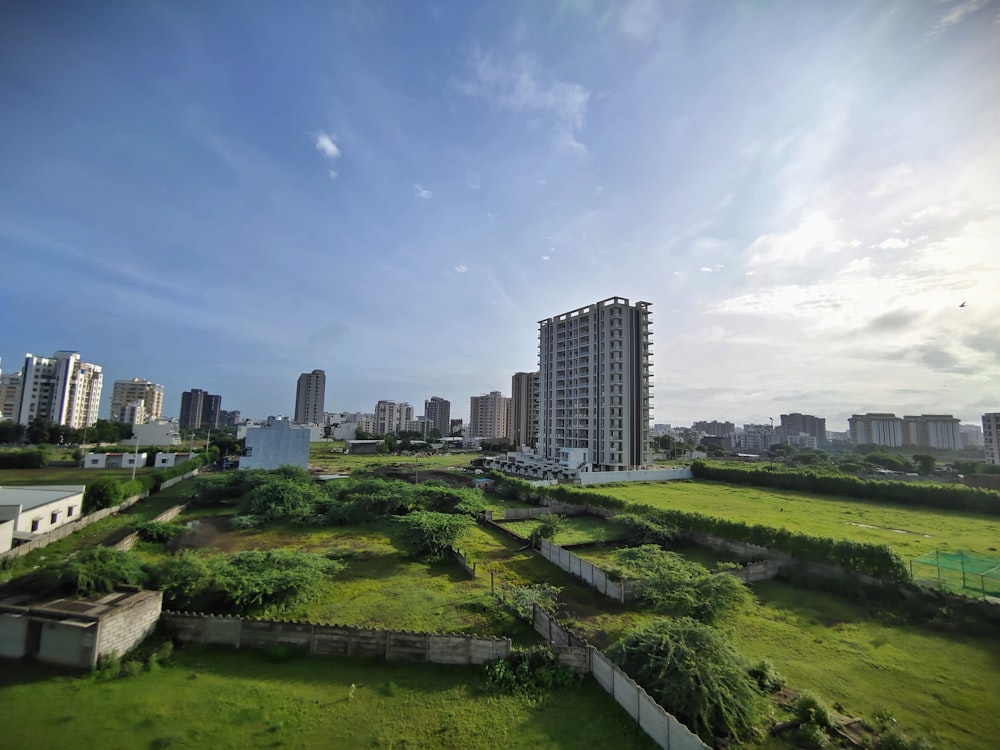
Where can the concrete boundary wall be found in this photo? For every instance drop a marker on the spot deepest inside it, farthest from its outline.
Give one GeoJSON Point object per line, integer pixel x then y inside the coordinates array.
{"type": "Point", "coordinates": [620, 591]}
{"type": "Point", "coordinates": [575, 653]}
{"type": "Point", "coordinates": [84, 521]}
{"type": "Point", "coordinates": [168, 515]}
{"type": "Point", "coordinates": [336, 640]}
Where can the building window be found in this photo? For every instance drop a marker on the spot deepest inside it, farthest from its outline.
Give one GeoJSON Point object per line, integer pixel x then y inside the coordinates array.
{"type": "Point", "coordinates": [54, 517]}
{"type": "Point", "coordinates": [69, 511]}
{"type": "Point", "coordinates": [35, 523]}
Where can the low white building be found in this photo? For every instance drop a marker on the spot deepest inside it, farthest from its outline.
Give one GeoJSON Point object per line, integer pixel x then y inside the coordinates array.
{"type": "Point", "coordinates": [114, 460]}
{"type": "Point", "coordinates": [170, 460]}
{"type": "Point", "coordinates": [279, 444]}
{"type": "Point", "coordinates": [38, 509]}
{"type": "Point", "coordinates": [160, 432]}
{"type": "Point", "coordinates": [6, 535]}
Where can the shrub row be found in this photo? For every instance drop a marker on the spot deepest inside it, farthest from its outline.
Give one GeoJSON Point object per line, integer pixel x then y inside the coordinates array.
{"type": "Point", "coordinates": [922, 494]}
{"type": "Point", "coordinates": [104, 492]}
{"type": "Point", "coordinates": [876, 560]}
{"type": "Point", "coordinates": [28, 458]}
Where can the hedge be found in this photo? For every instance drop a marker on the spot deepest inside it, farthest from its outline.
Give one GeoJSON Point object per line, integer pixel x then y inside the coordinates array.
{"type": "Point", "coordinates": [875, 560]}
{"type": "Point", "coordinates": [29, 458]}
{"type": "Point", "coordinates": [921, 494]}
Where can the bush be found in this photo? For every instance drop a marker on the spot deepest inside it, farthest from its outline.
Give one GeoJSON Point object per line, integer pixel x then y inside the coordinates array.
{"type": "Point", "coordinates": [529, 671]}
{"type": "Point", "coordinates": [692, 670]}
{"type": "Point", "coordinates": [257, 581]}
{"type": "Point", "coordinates": [768, 679]}
{"type": "Point", "coordinates": [97, 570]}
{"type": "Point", "coordinates": [809, 708]}
{"type": "Point", "coordinates": [102, 493]}
{"type": "Point", "coordinates": [812, 735]}
{"type": "Point", "coordinates": [158, 531]}
{"type": "Point", "coordinates": [432, 534]}
{"type": "Point", "coordinates": [547, 528]}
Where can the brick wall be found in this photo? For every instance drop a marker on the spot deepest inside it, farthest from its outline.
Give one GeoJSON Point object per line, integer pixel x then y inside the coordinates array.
{"type": "Point", "coordinates": [129, 624]}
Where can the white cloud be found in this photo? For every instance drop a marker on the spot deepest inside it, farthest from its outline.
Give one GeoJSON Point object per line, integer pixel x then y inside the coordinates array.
{"type": "Point", "coordinates": [959, 13]}
{"type": "Point", "coordinates": [545, 257]}
{"type": "Point", "coordinates": [472, 181]}
{"type": "Point", "coordinates": [816, 233]}
{"type": "Point", "coordinates": [461, 269]}
{"type": "Point", "coordinates": [893, 243]}
{"type": "Point", "coordinates": [421, 192]}
{"type": "Point", "coordinates": [328, 148]}
{"type": "Point", "coordinates": [640, 18]}
{"type": "Point", "coordinates": [858, 265]}
{"type": "Point", "coordinates": [522, 86]}
{"type": "Point", "coordinates": [705, 269]}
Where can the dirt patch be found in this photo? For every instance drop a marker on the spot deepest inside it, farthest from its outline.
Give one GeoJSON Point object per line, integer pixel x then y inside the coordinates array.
{"type": "Point", "coordinates": [886, 528]}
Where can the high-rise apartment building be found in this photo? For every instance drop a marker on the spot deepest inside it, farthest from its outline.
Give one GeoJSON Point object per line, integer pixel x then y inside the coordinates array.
{"type": "Point", "coordinates": [392, 417]}
{"type": "Point", "coordinates": [794, 425]}
{"type": "Point", "coordinates": [932, 431]}
{"type": "Point", "coordinates": [489, 416]}
{"type": "Point", "coordinates": [991, 437]}
{"type": "Point", "coordinates": [10, 395]}
{"type": "Point", "coordinates": [61, 389]}
{"type": "Point", "coordinates": [126, 392]}
{"type": "Point", "coordinates": [524, 409]}
{"type": "Point", "coordinates": [200, 410]}
{"type": "Point", "coordinates": [594, 384]}
{"type": "Point", "coordinates": [310, 393]}
{"type": "Point", "coordinates": [437, 415]}
{"type": "Point", "coordinates": [876, 429]}
{"type": "Point", "coordinates": [715, 427]}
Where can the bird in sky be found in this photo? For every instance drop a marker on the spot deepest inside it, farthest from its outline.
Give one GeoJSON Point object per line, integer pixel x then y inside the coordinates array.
{"type": "Point", "coordinates": [962, 305]}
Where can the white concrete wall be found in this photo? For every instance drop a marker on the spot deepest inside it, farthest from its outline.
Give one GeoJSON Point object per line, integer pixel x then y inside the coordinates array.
{"type": "Point", "coordinates": [6, 534]}
{"type": "Point", "coordinates": [277, 445]}
{"type": "Point", "coordinates": [641, 475]}
{"type": "Point", "coordinates": [44, 515]}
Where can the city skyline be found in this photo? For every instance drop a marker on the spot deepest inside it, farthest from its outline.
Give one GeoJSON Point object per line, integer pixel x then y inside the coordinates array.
{"type": "Point", "coordinates": [806, 195]}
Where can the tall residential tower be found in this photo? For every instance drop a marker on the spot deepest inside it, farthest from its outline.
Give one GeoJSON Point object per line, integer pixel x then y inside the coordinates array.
{"type": "Point", "coordinates": [310, 393]}
{"type": "Point", "coordinates": [61, 389]}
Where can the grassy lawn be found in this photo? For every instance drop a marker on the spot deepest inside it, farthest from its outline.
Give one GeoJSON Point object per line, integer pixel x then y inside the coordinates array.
{"type": "Point", "coordinates": [64, 475]}
{"type": "Point", "coordinates": [909, 531]}
{"type": "Point", "coordinates": [237, 699]}
{"type": "Point", "coordinates": [322, 455]}
{"type": "Point", "coordinates": [99, 532]}
{"type": "Point", "coordinates": [575, 530]}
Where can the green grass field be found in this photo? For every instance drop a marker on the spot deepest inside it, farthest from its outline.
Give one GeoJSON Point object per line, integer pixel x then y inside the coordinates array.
{"type": "Point", "coordinates": [64, 475]}
{"type": "Point", "coordinates": [909, 531]}
{"type": "Point", "coordinates": [241, 699]}
{"type": "Point", "coordinates": [574, 530]}
{"type": "Point", "coordinates": [322, 455]}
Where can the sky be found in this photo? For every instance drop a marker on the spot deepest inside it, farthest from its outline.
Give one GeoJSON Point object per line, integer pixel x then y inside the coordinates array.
{"type": "Point", "coordinates": [224, 195]}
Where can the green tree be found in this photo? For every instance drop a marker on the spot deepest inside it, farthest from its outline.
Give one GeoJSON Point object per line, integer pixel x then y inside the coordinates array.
{"type": "Point", "coordinates": [547, 528]}
{"type": "Point", "coordinates": [432, 534]}
{"type": "Point", "coordinates": [102, 493]}
{"type": "Point", "coordinates": [925, 463]}
{"type": "Point", "coordinates": [11, 432]}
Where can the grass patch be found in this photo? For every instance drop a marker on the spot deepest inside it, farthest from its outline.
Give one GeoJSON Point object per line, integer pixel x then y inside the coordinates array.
{"type": "Point", "coordinates": [323, 456]}
{"type": "Point", "coordinates": [574, 530]}
{"type": "Point", "coordinates": [237, 699]}
{"type": "Point", "coordinates": [65, 475]}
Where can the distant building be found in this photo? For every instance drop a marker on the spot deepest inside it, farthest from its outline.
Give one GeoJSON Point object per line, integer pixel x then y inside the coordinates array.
{"type": "Point", "coordinates": [795, 424]}
{"type": "Point", "coordinates": [940, 431]}
{"type": "Point", "coordinates": [310, 394]}
{"type": "Point", "coordinates": [280, 444]}
{"type": "Point", "coordinates": [456, 426]}
{"type": "Point", "coordinates": [230, 418]}
{"type": "Point", "coordinates": [524, 409]}
{"type": "Point", "coordinates": [759, 437]}
{"type": "Point", "coordinates": [489, 416]}
{"type": "Point", "coordinates": [437, 412]}
{"type": "Point", "coordinates": [391, 418]}
{"type": "Point", "coordinates": [200, 410]}
{"type": "Point", "coordinates": [876, 428]}
{"type": "Point", "coordinates": [114, 460]}
{"type": "Point", "coordinates": [160, 432]}
{"type": "Point", "coordinates": [125, 394]}
{"type": "Point", "coordinates": [10, 395]}
{"type": "Point", "coordinates": [169, 460]}
{"type": "Point", "coordinates": [594, 384]}
{"type": "Point", "coordinates": [991, 437]}
{"type": "Point", "coordinates": [61, 388]}
{"type": "Point", "coordinates": [714, 427]}
{"type": "Point", "coordinates": [972, 436]}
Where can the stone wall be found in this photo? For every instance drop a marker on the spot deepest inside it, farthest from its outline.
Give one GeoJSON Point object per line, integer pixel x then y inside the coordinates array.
{"type": "Point", "coordinates": [132, 539]}
{"type": "Point", "coordinates": [129, 624]}
{"type": "Point", "coordinates": [336, 640]}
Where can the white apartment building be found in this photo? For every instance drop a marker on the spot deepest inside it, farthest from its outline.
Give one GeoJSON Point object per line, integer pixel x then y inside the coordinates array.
{"type": "Point", "coordinates": [876, 428]}
{"type": "Point", "coordinates": [10, 395]}
{"type": "Point", "coordinates": [758, 437]}
{"type": "Point", "coordinates": [594, 384]}
{"type": "Point", "coordinates": [437, 413]}
{"type": "Point", "coordinates": [310, 395]}
{"type": "Point", "coordinates": [972, 436]}
{"type": "Point", "coordinates": [489, 416]}
{"type": "Point", "coordinates": [392, 417]}
{"type": "Point", "coordinates": [125, 394]}
{"type": "Point", "coordinates": [61, 388]}
{"type": "Point", "coordinates": [932, 431]}
{"type": "Point", "coordinates": [991, 437]}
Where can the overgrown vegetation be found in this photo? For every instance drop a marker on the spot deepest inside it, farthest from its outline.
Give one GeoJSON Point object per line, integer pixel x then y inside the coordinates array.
{"type": "Point", "coordinates": [529, 672]}
{"type": "Point", "coordinates": [673, 585]}
{"type": "Point", "coordinates": [547, 528]}
{"type": "Point", "coordinates": [692, 670]}
{"type": "Point", "coordinates": [97, 570]}
{"type": "Point", "coordinates": [432, 534]}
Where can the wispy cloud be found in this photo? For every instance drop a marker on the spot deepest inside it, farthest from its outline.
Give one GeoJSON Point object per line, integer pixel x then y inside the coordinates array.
{"type": "Point", "coordinates": [421, 192]}
{"type": "Point", "coordinates": [461, 269]}
{"type": "Point", "coordinates": [522, 86]}
{"type": "Point", "coordinates": [959, 13]}
{"type": "Point", "coordinates": [329, 149]}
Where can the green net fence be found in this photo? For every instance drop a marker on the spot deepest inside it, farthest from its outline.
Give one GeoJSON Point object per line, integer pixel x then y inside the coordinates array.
{"type": "Point", "coordinates": [968, 573]}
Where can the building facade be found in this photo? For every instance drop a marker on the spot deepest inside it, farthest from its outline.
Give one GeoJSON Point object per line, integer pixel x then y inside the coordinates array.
{"type": "Point", "coordinates": [991, 437]}
{"type": "Point", "coordinates": [310, 395]}
{"type": "Point", "coordinates": [437, 415]}
{"type": "Point", "coordinates": [200, 410]}
{"type": "Point", "coordinates": [524, 409]}
{"type": "Point", "coordinates": [126, 392]}
{"type": "Point", "coordinates": [594, 384]}
{"type": "Point", "coordinates": [392, 417]}
{"type": "Point", "coordinates": [278, 444]}
{"type": "Point", "coordinates": [489, 416]}
{"type": "Point", "coordinates": [932, 431]}
{"type": "Point", "coordinates": [875, 428]}
{"type": "Point", "coordinates": [795, 424]}
{"type": "Point", "coordinates": [714, 427]}
{"type": "Point", "coordinates": [61, 389]}
{"type": "Point", "coordinates": [10, 395]}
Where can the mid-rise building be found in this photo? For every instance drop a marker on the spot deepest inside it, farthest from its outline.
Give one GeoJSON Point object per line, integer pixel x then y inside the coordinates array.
{"type": "Point", "coordinates": [991, 437]}
{"type": "Point", "coordinates": [437, 415]}
{"type": "Point", "coordinates": [939, 431]}
{"type": "Point", "coordinates": [392, 417]}
{"type": "Point", "coordinates": [61, 389]}
{"type": "Point", "coordinates": [310, 394]}
{"type": "Point", "coordinates": [756, 437]}
{"type": "Point", "coordinates": [524, 409]}
{"type": "Point", "coordinates": [230, 418]}
{"type": "Point", "coordinates": [126, 392]}
{"type": "Point", "coordinates": [876, 428]}
{"type": "Point", "coordinates": [594, 385]}
{"type": "Point", "coordinates": [489, 416]}
{"type": "Point", "coordinates": [200, 410]}
{"type": "Point", "coordinates": [795, 424]}
{"type": "Point", "coordinates": [10, 395]}
{"type": "Point", "coordinates": [715, 427]}
{"type": "Point", "coordinates": [972, 436]}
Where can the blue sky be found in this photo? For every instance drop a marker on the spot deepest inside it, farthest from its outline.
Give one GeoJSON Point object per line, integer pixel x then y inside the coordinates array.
{"type": "Point", "coordinates": [223, 195]}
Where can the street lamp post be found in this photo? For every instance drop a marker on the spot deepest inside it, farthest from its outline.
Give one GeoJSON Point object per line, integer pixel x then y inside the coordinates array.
{"type": "Point", "coordinates": [135, 456]}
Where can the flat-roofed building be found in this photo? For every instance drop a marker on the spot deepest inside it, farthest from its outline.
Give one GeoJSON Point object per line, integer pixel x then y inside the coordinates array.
{"type": "Point", "coordinates": [524, 409]}
{"type": "Point", "coordinates": [991, 437]}
{"type": "Point", "coordinates": [38, 509]}
{"type": "Point", "coordinates": [61, 389]}
{"type": "Point", "coordinates": [876, 428]}
{"type": "Point", "coordinates": [125, 394]}
{"type": "Point", "coordinates": [310, 395]}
